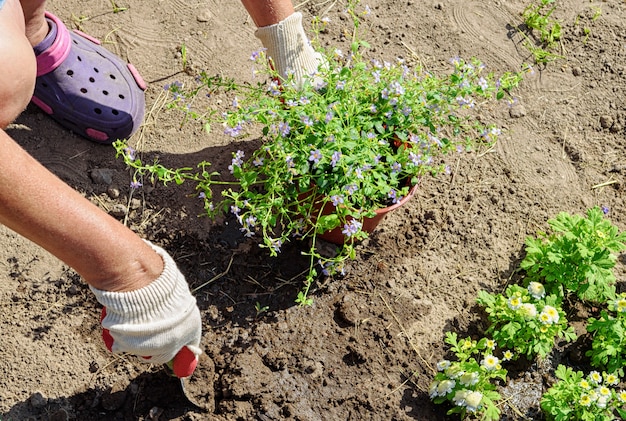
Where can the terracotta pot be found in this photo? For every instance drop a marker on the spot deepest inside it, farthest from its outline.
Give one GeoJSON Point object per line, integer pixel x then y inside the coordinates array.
{"type": "Point", "coordinates": [335, 236]}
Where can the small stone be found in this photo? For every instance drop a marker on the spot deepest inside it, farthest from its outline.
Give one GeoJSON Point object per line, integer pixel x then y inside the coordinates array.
{"type": "Point", "coordinates": [118, 210]}
{"type": "Point", "coordinates": [135, 203]}
{"type": "Point", "coordinates": [606, 121]}
{"type": "Point", "coordinates": [37, 400]}
{"type": "Point", "coordinates": [517, 111]}
{"type": "Point", "coordinates": [113, 192]}
{"type": "Point", "coordinates": [60, 415]}
{"type": "Point", "coordinates": [102, 176]}
{"type": "Point", "coordinates": [204, 16]}
{"type": "Point", "coordinates": [347, 311]}
{"type": "Point", "coordinates": [577, 71]}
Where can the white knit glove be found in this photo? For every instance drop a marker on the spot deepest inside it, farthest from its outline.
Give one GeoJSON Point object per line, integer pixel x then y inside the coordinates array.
{"type": "Point", "coordinates": [289, 48]}
{"type": "Point", "coordinates": [159, 322]}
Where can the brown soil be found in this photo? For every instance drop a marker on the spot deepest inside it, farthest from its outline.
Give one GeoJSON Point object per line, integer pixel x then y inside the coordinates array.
{"type": "Point", "coordinates": [366, 348]}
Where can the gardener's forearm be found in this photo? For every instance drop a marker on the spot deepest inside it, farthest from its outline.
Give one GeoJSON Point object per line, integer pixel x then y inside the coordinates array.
{"type": "Point", "coordinates": [268, 12]}
{"type": "Point", "coordinates": [41, 207]}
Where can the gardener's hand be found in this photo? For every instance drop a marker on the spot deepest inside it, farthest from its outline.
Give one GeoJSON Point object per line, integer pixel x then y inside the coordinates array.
{"type": "Point", "coordinates": [160, 322]}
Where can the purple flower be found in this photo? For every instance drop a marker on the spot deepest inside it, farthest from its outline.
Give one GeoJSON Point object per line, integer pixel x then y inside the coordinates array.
{"type": "Point", "coordinates": [376, 75]}
{"type": "Point", "coordinates": [605, 210]}
{"type": "Point", "coordinates": [335, 158]}
{"type": "Point", "coordinates": [351, 228]}
{"type": "Point", "coordinates": [236, 161]}
{"type": "Point", "coordinates": [135, 184]}
{"type": "Point", "coordinates": [482, 82]}
{"type": "Point", "coordinates": [289, 161]}
{"type": "Point", "coordinates": [329, 116]}
{"type": "Point", "coordinates": [351, 188]}
{"type": "Point", "coordinates": [306, 120]}
{"type": "Point", "coordinates": [233, 131]}
{"type": "Point", "coordinates": [396, 167]}
{"type": "Point", "coordinates": [283, 128]}
{"type": "Point", "coordinates": [336, 199]}
{"type": "Point", "coordinates": [315, 156]}
{"type": "Point", "coordinates": [235, 210]}
{"type": "Point", "coordinates": [130, 153]}
{"type": "Point", "coordinates": [393, 195]}
{"type": "Point", "coordinates": [258, 161]}
{"type": "Point", "coordinates": [340, 85]}
{"type": "Point", "coordinates": [373, 108]}
{"type": "Point", "coordinates": [273, 88]}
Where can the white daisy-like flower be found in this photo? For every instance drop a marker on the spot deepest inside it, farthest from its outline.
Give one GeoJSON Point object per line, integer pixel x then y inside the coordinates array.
{"type": "Point", "coordinates": [514, 302]}
{"type": "Point", "coordinates": [602, 402]}
{"type": "Point", "coordinates": [604, 391]}
{"type": "Point", "coordinates": [445, 387]}
{"type": "Point", "coordinates": [442, 365]}
{"type": "Point", "coordinates": [549, 315]}
{"type": "Point", "coordinates": [621, 396]}
{"type": "Point", "coordinates": [584, 384]}
{"type": "Point", "coordinates": [528, 311]}
{"type": "Point", "coordinates": [490, 362]}
{"type": "Point", "coordinates": [585, 400]}
{"type": "Point", "coordinates": [473, 400]}
{"type": "Point", "coordinates": [611, 379]}
{"type": "Point", "coordinates": [595, 377]}
{"type": "Point", "coordinates": [454, 371]}
{"type": "Point", "coordinates": [460, 396]}
{"type": "Point", "coordinates": [490, 344]}
{"type": "Point", "coordinates": [507, 356]}
{"type": "Point", "coordinates": [469, 379]}
{"type": "Point", "coordinates": [536, 290]}
{"type": "Point", "coordinates": [432, 389]}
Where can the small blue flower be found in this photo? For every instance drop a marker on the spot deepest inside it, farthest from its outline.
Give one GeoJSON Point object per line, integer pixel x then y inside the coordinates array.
{"type": "Point", "coordinates": [605, 210]}
{"type": "Point", "coordinates": [336, 199]}
{"type": "Point", "coordinates": [315, 156]}
{"type": "Point", "coordinates": [335, 158]}
{"type": "Point", "coordinates": [351, 228]}
{"type": "Point", "coordinates": [135, 184]}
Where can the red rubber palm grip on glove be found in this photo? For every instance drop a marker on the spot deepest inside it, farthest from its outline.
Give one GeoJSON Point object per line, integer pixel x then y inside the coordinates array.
{"type": "Point", "coordinates": [183, 364]}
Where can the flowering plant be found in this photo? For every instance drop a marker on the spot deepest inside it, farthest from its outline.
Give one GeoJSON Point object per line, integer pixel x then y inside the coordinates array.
{"type": "Point", "coordinates": [467, 382]}
{"type": "Point", "coordinates": [525, 319]}
{"type": "Point", "coordinates": [590, 398]}
{"type": "Point", "coordinates": [608, 346]}
{"type": "Point", "coordinates": [352, 138]}
{"type": "Point", "coordinates": [578, 256]}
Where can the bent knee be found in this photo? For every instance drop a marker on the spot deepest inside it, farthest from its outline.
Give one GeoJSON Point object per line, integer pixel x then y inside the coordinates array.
{"type": "Point", "coordinates": [18, 67]}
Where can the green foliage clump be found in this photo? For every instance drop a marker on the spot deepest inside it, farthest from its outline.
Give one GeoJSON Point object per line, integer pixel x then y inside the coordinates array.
{"type": "Point", "coordinates": [577, 257]}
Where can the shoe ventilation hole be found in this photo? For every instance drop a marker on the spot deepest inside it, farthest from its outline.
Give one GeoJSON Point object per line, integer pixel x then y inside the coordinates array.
{"type": "Point", "coordinates": [44, 84]}
{"type": "Point", "coordinates": [95, 69]}
{"type": "Point", "coordinates": [83, 90]}
{"type": "Point", "coordinates": [115, 112]}
{"type": "Point", "coordinates": [70, 73]}
{"type": "Point", "coordinates": [105, 92]}
{"type": "Point", "coordinates": [79, 59]}
{"type": "Point", "coordinates": [97, 110]}
{"type": "Point", "coordinates": [112, 77]}
{"type": "Point", "coordinates": [121, 96]}
{"type": "Point", "coordinates": [92, 80]}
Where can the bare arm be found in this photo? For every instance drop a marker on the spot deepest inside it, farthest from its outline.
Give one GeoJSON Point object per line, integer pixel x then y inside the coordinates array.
{"type": "Point", "coordinates": [41, 207]}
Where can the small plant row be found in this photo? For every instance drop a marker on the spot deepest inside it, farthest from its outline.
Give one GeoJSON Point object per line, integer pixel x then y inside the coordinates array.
{"type": "Point", "coordinates": [574, 261]}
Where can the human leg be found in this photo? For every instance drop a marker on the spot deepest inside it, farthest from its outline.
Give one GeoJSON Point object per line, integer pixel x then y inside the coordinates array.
{"type": "Point", "coordinates": [282, 34]}
{"type": "Point", "coordinates": [17, 65]}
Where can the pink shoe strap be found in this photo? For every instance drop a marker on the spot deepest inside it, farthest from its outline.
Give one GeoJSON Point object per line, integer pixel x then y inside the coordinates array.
{"type": "Point", "coordinates": [52, 57]}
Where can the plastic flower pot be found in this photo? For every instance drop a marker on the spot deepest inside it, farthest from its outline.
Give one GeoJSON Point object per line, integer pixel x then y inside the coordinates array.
{"type": "Point", "coordinates": [336, 235]}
